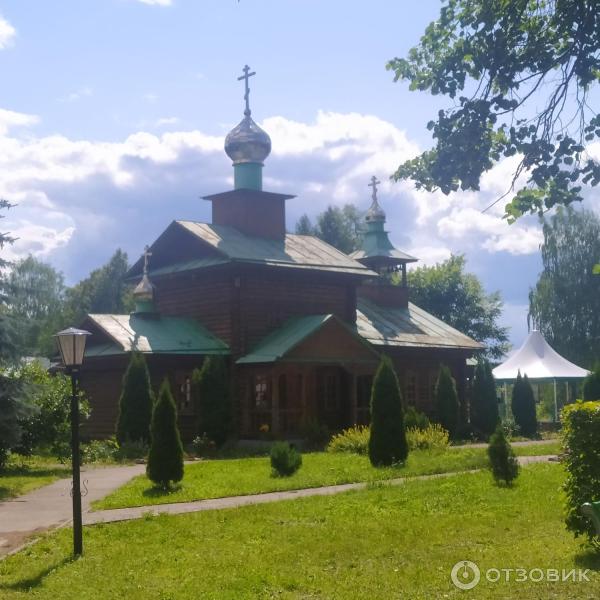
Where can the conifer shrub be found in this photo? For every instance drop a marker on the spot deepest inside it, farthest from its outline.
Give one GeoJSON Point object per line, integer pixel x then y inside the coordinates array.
{"type": "Point", "coordinates": [212, 395]}
{"type": "Point", "coordinates": [285, 459]}
{"type": "Point", "coordinates": [135, 403]}
{"type": "Point", "coordinates": [503, 462]}
{"type": "Point", "coordinates": [523, 407]}
{"type": "Point", "coordinates": [591, 384]}
{"type": "Point", "coordinates": [446, 402]}
{"type": "Point", "coordinates": [387, 442]}
{"type": "Point", "coordinates": [414, 419]}
{"type": "Point", "coordinates": [581, 448]}
{"type": "Point", "coordinates": [165, 459]}
{"type": "Point", "coordinates": [484, 402]}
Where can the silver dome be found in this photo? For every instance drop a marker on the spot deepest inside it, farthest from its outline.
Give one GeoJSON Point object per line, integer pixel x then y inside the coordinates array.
{"type": "Point", "coordinates": [375, 212]}
{"type": "Point", "coordinates": [247, 143]}
{"type": "Point", "coordinates": [144, 289]}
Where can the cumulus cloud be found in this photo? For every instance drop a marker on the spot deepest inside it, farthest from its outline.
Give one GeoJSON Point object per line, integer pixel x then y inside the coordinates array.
{"type": "Point", "coordinates": [7, 33]}
{"type": "Point", "coordinates": [10, 119]}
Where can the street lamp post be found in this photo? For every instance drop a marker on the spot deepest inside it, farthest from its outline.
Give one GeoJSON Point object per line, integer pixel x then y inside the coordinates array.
{"type": "Point", "coordinates": [71, 343]}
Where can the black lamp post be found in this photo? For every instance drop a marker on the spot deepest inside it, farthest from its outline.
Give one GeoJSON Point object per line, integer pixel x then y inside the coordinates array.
{"type": "Point", "coordinates": [71, 343]}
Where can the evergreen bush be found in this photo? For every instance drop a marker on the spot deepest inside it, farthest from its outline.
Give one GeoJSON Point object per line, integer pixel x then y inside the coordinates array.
{"type": "Point", "coordinates": [387, 442]}
{"type": "Point", "coordinates": [415, 419]}
{"type": "Point", "coordinates": [523, 407]}
{"type": "Point", "coordinates": [135, 403]}
{"type": "Point", "coordinates": [484, 403]}
{"type": "Point", "coordinates": [446, 402]}
{"type": "Point", "coordinates": [591, 384]}
{"type": "Point", "coordinates": [212, 397]}
{"type": "Point", "coordinates": [165, 459]}
{"type": "Point", "coordinates": [581, 447]}
{"type": "Point", "coordinates": [285, 459]}
{"type": "Point", "coordinates": [503, 462]}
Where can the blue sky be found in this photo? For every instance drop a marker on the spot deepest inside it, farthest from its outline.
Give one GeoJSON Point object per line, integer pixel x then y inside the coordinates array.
{"type": "Point", "coordinates": [113, 112]}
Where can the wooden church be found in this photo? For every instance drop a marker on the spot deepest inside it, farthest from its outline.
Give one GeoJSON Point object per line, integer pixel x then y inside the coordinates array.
{"type": "Point", "coordinates": [302, 324]}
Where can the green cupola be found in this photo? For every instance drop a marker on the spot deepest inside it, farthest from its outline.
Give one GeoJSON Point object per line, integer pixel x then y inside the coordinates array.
{"type": "Point", "coordinates": [377, 252]}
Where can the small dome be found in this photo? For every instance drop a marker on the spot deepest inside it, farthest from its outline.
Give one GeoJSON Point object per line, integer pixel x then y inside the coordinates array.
{"type": "Point", "coordinates": [375, 212]}
{"type": "Point", "coordinates": [144, 291]}
{"type": "Point", "coordinates": [247, 143]}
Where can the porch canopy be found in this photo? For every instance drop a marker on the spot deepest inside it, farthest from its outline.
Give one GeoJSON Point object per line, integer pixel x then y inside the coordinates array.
{"type": "Point", "coordinates": [541, 363]}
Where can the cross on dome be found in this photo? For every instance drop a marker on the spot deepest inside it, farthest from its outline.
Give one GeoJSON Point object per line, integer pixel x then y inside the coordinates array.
{"type": "Point", "coordinates": [147, 254]}
{"type": "Point", "coordinates": [245, 77]}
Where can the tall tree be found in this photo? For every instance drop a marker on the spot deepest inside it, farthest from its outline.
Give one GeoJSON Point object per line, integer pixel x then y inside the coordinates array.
{"type": "Point", "coordinates": [519, 75]}
{"type": "Point", "coordinates": [565, 303]}
{"type": "Point", "coordinates": [103, 291]}
{"type": "Point", "coordinates": [484, 403]}
{"type": "Point", "coordinates": [458, 299]}
{"type": "Point", "coordinates": [37, 294]}
{"type": "Point", "coordinates": [387, 439]}
{"type": "Point", "coordinates": [339, 227]}
{"type": "Point", "coordinates": [523, 406]}
{"type": "Point", "coordinates": [447, 406]}
{"type": "Point", "coordinates": [135, 403]}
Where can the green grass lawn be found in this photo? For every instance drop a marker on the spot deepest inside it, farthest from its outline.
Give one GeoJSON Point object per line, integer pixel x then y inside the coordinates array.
{"type": "Point", "coordinates": [234, 477]}
{"type": "Point", "coordinates": [24, 474]}
{"type": "Point", "coordinates": [551, 447]}
{"type": "Point", "coordinates": [380, 543]}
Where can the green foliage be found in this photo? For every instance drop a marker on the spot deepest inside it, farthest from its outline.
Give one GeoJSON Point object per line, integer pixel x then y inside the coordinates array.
{"type": "Point", "coordinates": [315, 434]}
{"type": "Point", "coordinates": [458, 299]}
{"type": "Point", "coordinates": [591, 384]}
{"type": "Point", "coordinates": [484, 402]}
{"type": "Point", "coordinates": [432, 437]}
{"type": "Point", "coordinates": [285, 459]}
{"type": "Point", "coordinates": [336, 226]}
{"type": "Point", "coordinates": [503, 462]}
{"type": "Point", "coordinates": [415, 419]}
{"type": "Point", "coordinates": [165, 459]}
{"type": "Point", "coordinates": [135, 403]}
{"type": "Point", "coordinates": [387, 442]}
{"type": "Point", "coordinates": [523, 407]}
{"type": "Point", "coordinates": [212, 395]}
{"type": "Point", "coordinates": [202, 445]}
{"type": "Point", "coordinates": [565, 302]}
{"type": "Point", "coordinates": [37, 295]}
{"type": "Point", "coordinates": [518, 75]}
{"type": "Point", "coordinates": [354, 440]}
{"type": "Point", "coordinates": [446, 401]}
{"type": "Point", "coordinates": [49, 425]}
{"type": "Point", "coordinates": [581, 443]}
{"type": "Point", "coordinates": [97, 451]}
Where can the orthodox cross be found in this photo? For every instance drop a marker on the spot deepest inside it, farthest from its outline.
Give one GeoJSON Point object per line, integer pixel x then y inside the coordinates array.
{"type": "Point", "coordinates": [245, 77]}
{"type": "Point", "coordinates": [147, 254]}
{"type": "Point", "coordinates": [374, 183]}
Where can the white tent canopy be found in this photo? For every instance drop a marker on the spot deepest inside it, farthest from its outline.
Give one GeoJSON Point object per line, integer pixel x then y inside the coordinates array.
{"type": "Point", "coordinates": [538, 360]}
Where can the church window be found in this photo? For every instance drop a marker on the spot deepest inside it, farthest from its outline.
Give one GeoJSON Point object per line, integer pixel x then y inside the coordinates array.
{"type": "Point", "coordinates": [186, 405]}
{"type": "Point", "coordinates": [262, 401]}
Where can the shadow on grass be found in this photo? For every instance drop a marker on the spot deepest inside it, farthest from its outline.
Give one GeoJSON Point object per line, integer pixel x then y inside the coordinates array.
{"type": "Point", "coordinates": [159, 492]}
{"type": "Point", "coordinates": [36, 580]}
{"type": "Point", "coordinates": [589, 558]}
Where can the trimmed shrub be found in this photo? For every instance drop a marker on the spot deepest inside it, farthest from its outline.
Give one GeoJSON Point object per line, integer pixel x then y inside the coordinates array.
{"type": "Point", "coordinates": [135, 403]}
{"type": "Point", "coordinates": [523, 407]}
{"type": "Point", "coordinates": [387, 442]}
{"type": "Point", "coordinates": [285, 459]}
{"type": "Point", "coordinates": [503, 462]}
{"type": "Point", "coordinates": [433, 437]}
{"type": "Point", "coordinates": [484, 403]}
{"type": "Point", "coordinates": [212, 396]}
{"type": "Point", "coordinates": [446, 401]}
{"type": "Point", "coordinates": [353, 440]}
{"type": "Point", "coordinates": [581, 446]}
{"type": "Point", "coordinates": [315, 434]}
{"type": "Point", "coordinates": [415, 419]}
{"type": "Point", "coordinates": [591, 384]}
{"type": "Point", "coordinates": [165, 459]}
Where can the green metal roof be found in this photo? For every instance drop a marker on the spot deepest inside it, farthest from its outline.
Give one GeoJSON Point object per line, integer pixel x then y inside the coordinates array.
{"type": "Point", "coordinates": [376, 244]}
{"type": "Point", "coordinates": [283, 340]}
{"type": "Point", "coordinates": [153, 335]}
{"type": "Point", "coordinates": [410, 327]}
{"type": "Point", "coordinates": [295, 251]}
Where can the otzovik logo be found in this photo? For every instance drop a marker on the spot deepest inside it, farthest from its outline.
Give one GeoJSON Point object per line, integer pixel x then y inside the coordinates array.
{"type": "Point", "coordinates": [465, 575]}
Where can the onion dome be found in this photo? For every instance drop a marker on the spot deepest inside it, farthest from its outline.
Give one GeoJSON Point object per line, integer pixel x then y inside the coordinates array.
{"type": "Point", "coordinates": [143, 294]}
{"type": "Point", "coordinates": [375, 212]}
{"type": "Point", "coordinates": [247, 142]}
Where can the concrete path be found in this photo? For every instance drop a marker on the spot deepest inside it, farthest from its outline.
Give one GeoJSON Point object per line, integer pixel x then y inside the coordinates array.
{"type": "Point", "coordinates": [522, 443]}
{"type": "Point", "coordinates": [50, 506]}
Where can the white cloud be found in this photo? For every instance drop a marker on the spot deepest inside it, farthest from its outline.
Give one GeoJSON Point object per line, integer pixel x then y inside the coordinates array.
{"type": "Point", "coordinates": [7, 33]}
{"type": "Point", "coordinates": [157, 2]}
{"type": "Point", "coordinates": [10, 119]}
{"type": "Point", "coordinates": [166, 121]}
{"type": "Point", "coordinates": [83, 92]}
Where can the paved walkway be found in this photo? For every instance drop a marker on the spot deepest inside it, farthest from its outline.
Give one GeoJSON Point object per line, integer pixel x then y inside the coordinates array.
{"type": "Point", "coordinates": [50, 506]}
